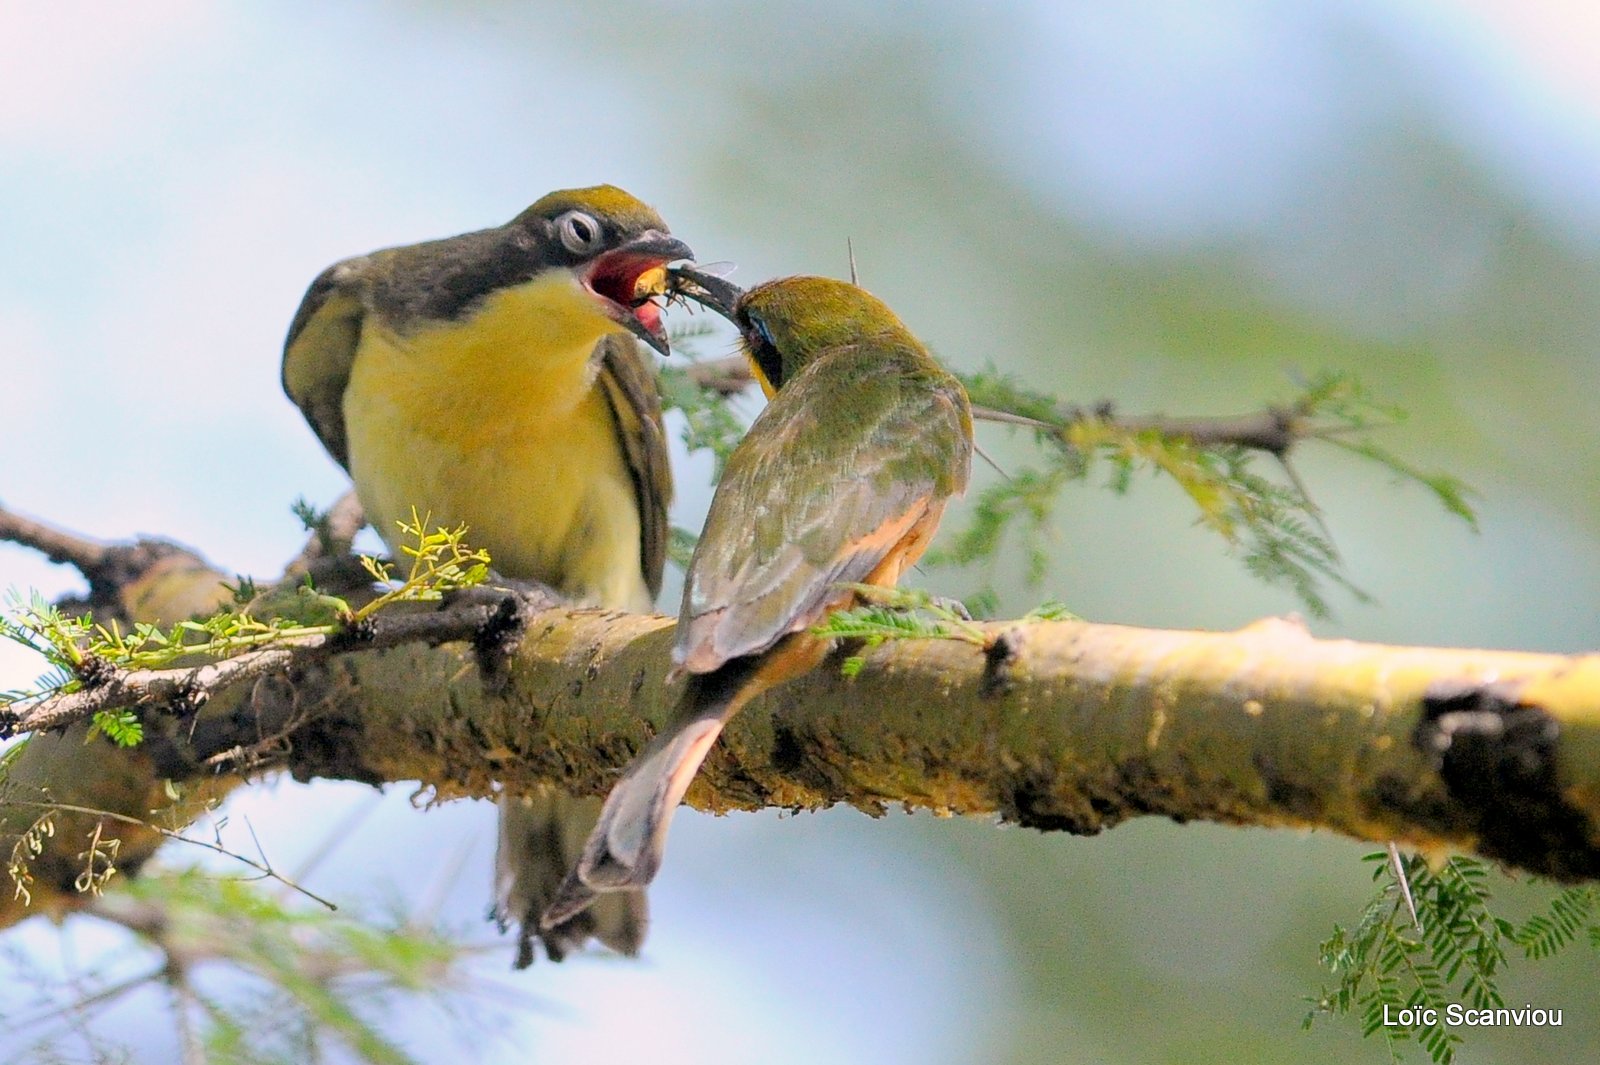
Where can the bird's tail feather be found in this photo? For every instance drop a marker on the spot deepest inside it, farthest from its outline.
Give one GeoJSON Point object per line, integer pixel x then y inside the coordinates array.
{"type": "Point", "coordinates": [624, 851]}
{"type": "Point", "coordinates": [541, 836]}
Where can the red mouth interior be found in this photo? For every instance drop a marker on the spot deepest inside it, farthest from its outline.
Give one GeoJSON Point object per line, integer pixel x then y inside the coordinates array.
{"type": "Point", "coordinates": [614, 276]}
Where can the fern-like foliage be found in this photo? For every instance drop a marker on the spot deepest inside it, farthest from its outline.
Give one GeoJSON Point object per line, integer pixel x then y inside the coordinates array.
{"type": "Point", "coordinates": [301, 982]}
{"type": "Point", "coordinates": [1384, 965]}
{"type": "Point", "coordinates": [436, 560]}
{"type": "Point", "coordinates": [896, 614]}
{"type": "Point", "coordinates": [710, 421]}
{"type": "Point", "coordinates": [1021, 505]}
{"type": "Point", "coordinates": [1573, 914]}
{"type": "Point", "coordinates": [1269, 522]}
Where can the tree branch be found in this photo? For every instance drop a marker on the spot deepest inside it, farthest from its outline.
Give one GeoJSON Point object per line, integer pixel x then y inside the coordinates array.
{"type": "Point", "coordinates": [185, 689]}
{"type": "Point", "coordinates": [1274, 430]}
{"type": "Point", "coordinates": [125, 579]}
{"type": "Point", "coordinates": [141, 581]}
{"type": "Point", "coordinates": [1060, 725]}
{"type": "Point", "coordinates": [1055, 725]}
{"type": "Point", "coordinates": [58, 545]}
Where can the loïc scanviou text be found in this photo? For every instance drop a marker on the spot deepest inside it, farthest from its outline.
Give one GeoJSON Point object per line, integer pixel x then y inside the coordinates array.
{"type": "Point", "coordinates": [1456, 1015]}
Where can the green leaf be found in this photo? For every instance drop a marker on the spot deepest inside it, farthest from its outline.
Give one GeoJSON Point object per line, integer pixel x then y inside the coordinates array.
{"type": "Point", "coordinates": [121, 727]}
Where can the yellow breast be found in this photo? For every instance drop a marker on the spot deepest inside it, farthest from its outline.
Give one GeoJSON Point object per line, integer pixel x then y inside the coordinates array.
{"type": "Point", "coordinates": [497, 422]}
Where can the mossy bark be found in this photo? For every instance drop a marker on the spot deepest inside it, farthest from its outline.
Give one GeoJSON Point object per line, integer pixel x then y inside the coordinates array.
{"type": "Point", "coordinates": [1065, 725]}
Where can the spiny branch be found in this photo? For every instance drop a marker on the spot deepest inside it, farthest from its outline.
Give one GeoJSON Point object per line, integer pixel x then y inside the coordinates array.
{"type": "Point", "coordinates": [1274, 430]}
{"type": "Point", "coordinates": [186, 689]}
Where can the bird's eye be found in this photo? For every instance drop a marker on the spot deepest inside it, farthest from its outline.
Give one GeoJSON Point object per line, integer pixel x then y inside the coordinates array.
{"type": "Point", "coordinates": [580, 233]}
{"type": "Point", "coordinates": [762, 331]}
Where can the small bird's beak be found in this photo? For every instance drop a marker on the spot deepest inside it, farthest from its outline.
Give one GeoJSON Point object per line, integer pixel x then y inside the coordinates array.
{"type": "Point", "coordinates": [708, 290]}
{"type": "Point", "coordinates": [630, 277]}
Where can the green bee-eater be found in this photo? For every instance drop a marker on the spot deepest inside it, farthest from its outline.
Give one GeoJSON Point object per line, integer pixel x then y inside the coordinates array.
{"type": "Point", "coordinates": [841, 480]}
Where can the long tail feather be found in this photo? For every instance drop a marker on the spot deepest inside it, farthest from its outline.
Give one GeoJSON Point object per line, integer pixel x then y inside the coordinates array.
{"type": "Point", "coordinates": [625, 849]}
{"type": "Point", "coordinates": [540, 838]}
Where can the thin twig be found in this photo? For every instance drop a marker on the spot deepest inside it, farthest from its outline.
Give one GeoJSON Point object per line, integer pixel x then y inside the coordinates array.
{"type": "Point", "coordinates": [183, 999]}
{"type": "Point", "coordinates": [153, 687]}
{"type": "Point", "coordinates": [1274, 431]}
{"type": "Point", "coordinates": [1005, 417]}
{"type": "Point", "coordinates": [117, 990]}
{"type": "Point", "coordinates": [432, 900]}
{"type": "Point", "coordinates": [986, 457]}
{"type": "Point", "coordinates": [1271, 430]}
{"type": "Point", "coordinates": [265, 870]}
{"type": "Point", "coordinates": [1311, 507]}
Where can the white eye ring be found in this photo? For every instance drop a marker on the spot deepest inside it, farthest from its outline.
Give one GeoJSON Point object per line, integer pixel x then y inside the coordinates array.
{"type": "Point", "coordinates": [580, 233]}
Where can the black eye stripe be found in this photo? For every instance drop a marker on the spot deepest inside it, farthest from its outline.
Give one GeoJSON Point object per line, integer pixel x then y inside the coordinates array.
{"type": "Point", "coordinates": [764, 351]}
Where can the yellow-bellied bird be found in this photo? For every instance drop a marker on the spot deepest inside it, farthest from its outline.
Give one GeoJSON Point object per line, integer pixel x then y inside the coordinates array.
{"type": "Point", "coordinates": [841, 480]}
{"type": "Point", "coordinates": [493, 379]}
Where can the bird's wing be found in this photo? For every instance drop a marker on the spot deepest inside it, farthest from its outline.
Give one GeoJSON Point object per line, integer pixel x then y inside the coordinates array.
{"type": "Point", "coordinates": [321, 348]}
{"type": "Point", "coordinates": [851, 454]}
{"type": "Point", "coordinates": [630, 387]}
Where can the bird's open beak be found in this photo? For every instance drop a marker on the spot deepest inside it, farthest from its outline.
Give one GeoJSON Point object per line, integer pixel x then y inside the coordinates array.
{"type": "Point", "coordinates": [629, 279]}
{"type": "Point", "coordinates": [708, 290]}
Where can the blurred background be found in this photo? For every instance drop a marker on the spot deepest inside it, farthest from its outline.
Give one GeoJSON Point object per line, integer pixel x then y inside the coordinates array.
{"type": "Point", "coordinates": [1170, 205]}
